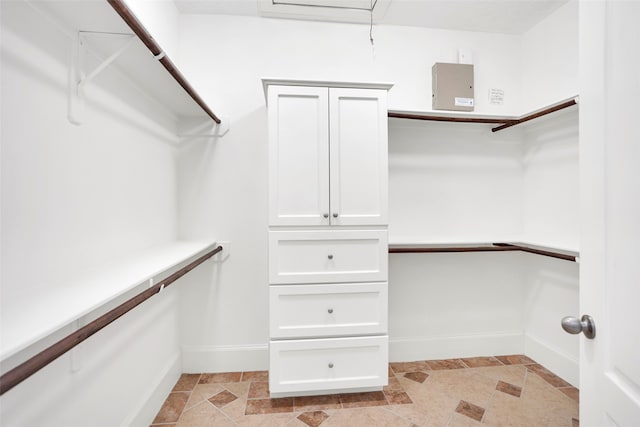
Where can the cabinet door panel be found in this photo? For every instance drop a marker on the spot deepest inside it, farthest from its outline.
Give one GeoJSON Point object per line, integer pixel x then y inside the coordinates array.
{"type": "Point", "coordinates": [331, 256]}
{"type": "Point", "coordinates": [301, 311]}
{"type": "Point", "coordinates": [327, 364]}
{"type": "Point", "coordinates": [298, 156]}
{"type": "Point", "coordinates": [358, 156]}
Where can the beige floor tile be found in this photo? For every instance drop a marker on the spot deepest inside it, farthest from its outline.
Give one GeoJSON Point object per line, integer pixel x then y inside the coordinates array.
{"type": "Point", "coordinates": [202, 392]}
{"type": "Point", "coordinates": [539, 404]}
{"type": "Point", "coordinates": [204, 415]}
{"type": "Point", "coordinates": [268, 420]}
{"type": "Point", "coordinates": [463, 385]}
{"type": "Point", "coordinates": [365, 417]}
{"type": "Point", "coordinates": [428, 408]}
{"type": "Point", "coordinates": [512, 374]}
{"type": "Point", "coordinates": [405, 401]}
{"type": "Point", "coordinates": [541, 395]}
{"type": "Point", "coordinates": [459, 420]}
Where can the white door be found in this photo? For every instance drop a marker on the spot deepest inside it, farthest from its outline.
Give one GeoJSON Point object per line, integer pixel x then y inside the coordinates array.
{"type": "Point", "coordinates": [358, 153]}
{"type": "Point", "coordinates": [298, 155]}
{"type": "Point", "coordinates": [610, 211]}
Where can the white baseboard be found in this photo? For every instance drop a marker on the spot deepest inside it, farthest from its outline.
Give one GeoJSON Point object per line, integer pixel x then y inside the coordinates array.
{"type": "Point", "coordinates": [425, 348]}
{"type": "Point", "coordinates": [152, 401]}
{"type": "Point", "coordinates": [564, 365]}
{"type": "Point", "coordinates": [198, 359]}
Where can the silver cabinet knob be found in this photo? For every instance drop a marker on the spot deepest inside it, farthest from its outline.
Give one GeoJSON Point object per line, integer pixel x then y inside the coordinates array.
{"type": "Point", "coordinates": [330, 311]}
{"type": "Point", "coordinates": [326, 215]}
{"type": "Point", "coordinates": [331, 364]}
{"type": "Point", "coordinates": [330, 256]}
{"type": "Point", "coordinates": [573, 325]}
{"type": "Point", "coordinates": [335, 214]}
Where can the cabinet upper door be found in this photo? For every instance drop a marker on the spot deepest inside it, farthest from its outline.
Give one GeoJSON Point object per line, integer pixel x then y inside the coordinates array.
{"type": "Point", "coordinates": [358, 156]}
{"type": "Point", "coordinates": [298, 155]}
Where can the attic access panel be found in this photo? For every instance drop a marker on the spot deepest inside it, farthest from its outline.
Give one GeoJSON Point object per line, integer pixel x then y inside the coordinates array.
{"type": "Point", "coordinates": [355, 11]}
{"type": "Point", "coordinates": [339, 4]}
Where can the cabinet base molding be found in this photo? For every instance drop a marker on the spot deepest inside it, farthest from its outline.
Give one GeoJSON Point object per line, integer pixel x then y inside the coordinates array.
{"type": "Point", "coordinates": [325, 392]}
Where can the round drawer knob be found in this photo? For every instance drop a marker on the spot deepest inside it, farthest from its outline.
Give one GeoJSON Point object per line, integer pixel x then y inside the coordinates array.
{"type": "Point", "coordinates": [330, 310]}
{"type": "Point", "coordinates": [335, 214]}
{"type": "Point", "coordinates": [326, 215]}
{"type": "Point", "coordinates": [330, 364]}
{"type": "Point", "coordinates": [330, 256]}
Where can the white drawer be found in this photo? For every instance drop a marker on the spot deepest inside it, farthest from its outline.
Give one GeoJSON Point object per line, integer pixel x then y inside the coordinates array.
{"type": "Point", "coordinates": [310, 366]}
{"type": "Point", "coordinates": [328, 256]}
{"type": "Point", "coordinates": [305, 311]}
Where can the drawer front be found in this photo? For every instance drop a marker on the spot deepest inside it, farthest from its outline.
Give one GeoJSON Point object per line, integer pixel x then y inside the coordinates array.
{"type": "Point", "coordinates": [300, 311]}
{"type": "Point", "coordinates": [299, 366]}
{"type": "Point", "coordinates": [331, 256]}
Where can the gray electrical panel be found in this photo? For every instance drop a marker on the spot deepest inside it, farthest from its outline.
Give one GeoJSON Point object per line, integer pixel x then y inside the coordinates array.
{"type": "Point", "coordinates": [452, 86]}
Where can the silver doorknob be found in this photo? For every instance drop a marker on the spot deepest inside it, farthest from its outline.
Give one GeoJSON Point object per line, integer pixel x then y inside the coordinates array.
{"type": "Point", "coordinates": [335, 214]}
{"type": "Point", "coordinates": [325, 215]}
{"type": "Point", "coordinates": [573, 325]}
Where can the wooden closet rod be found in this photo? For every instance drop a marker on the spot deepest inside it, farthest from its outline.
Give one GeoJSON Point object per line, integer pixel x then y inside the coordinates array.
{"type": "Point", "coordinates": [136, 26]}
{"type": "Point", "coordinates": [536, 251]}
{"type": "Point", "coordinates": [536, 115]}
{"type": "Point", "coordinates": [23, 371]}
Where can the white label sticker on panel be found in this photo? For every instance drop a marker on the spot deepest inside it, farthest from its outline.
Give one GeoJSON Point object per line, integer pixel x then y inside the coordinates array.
{"type": "Point", "coordinates": [464, 102]}
{"type": "Point", "coordinates": [496, 96]}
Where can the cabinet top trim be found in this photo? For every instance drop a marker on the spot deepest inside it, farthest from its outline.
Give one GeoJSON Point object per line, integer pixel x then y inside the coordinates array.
{"type": "Point", "coordinates": [266, 82]}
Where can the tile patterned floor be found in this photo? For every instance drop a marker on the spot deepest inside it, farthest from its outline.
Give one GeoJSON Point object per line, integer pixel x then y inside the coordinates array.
{"type": "Point", "coordinates": [496, 391]}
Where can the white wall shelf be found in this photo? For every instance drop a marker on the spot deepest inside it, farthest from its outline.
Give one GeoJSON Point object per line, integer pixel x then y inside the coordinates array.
{"type": "Point", "coordinates": [463, 117]}
{"type": "Point", "coordinates": [561, 253]}
{"type": "Point", "coordinates": [27, 324]}
{"type": "Point", "coordinates": [144, 63]}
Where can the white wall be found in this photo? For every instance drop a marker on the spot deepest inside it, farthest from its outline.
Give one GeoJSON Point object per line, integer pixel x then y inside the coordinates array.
{"type": "Point", "coordinates": [75, 200]}
{"type": "Point", "coordinates": [550, 59]}
{"type": "Point", "coordinates": [224, 185]}
{"type": "Point", "coordinates": [551, 293]}
{"type": "Point", "coordinates": [453, 183]}
{"type": "Point", "coordinates": [551, 190]}
{"type": "Point", "coordinates": [160, 18]}
{"type": "Point", "coordinates": [455, 305]}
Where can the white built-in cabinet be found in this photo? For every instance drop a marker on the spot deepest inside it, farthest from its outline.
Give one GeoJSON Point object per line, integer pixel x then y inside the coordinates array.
{"type": "Point", "coordinates": [328, 238]}
{"type": "Point", "coordinates": [327, 156]}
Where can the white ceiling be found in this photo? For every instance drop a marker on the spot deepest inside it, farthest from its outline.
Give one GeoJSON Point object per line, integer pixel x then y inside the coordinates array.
{"type": "Point", "coordinates": [495, 16]}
